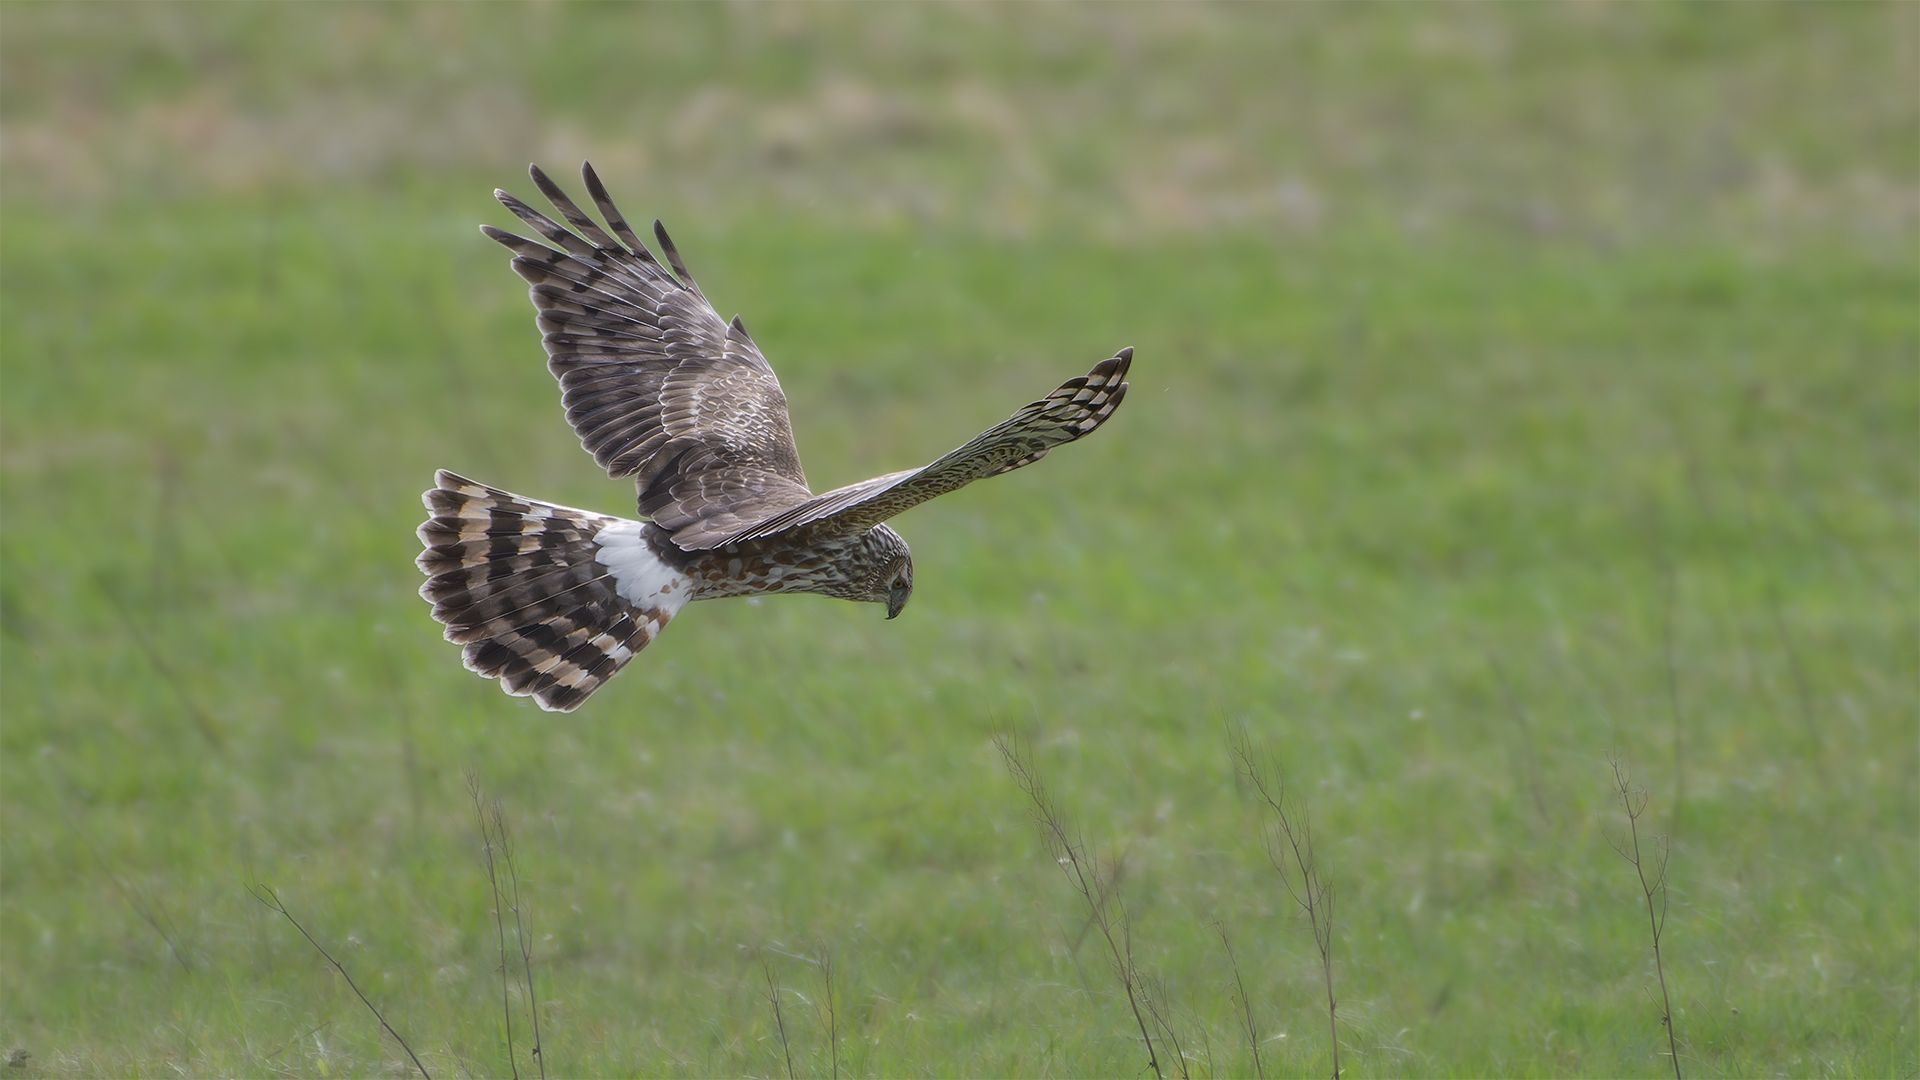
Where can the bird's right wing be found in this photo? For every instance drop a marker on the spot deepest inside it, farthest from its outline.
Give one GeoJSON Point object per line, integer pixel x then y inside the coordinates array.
{"type": "Point", "coordinates": [655, 383]}
{"type": "Point", "coordinates": [1075, 409]}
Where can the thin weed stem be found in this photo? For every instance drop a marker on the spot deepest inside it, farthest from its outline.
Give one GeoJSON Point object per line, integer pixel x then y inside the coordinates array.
{"type": "Point", "coordinates": [499, 924]}
{"type": "Point", "coordinates": [1289, 844]}
{"type": "Point", "coordinates": [1634, 802]}
{"type": "Point", "coordinates": [1240, 995]}
{"type": "Point", "coordinates": [779, 1022]}
{"type": "Point", "coordinates": [1156, 1001]}
{"type": "Point", "coordinates": [520, 934]}
{"type": "Point", "coordinates": [1105, 910]}
{"type": "Point", "coordinates": [267, 896]}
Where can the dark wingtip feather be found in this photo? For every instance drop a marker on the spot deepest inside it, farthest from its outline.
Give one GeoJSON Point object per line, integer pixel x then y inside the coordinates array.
{"type": "Point", "coordinates": [674, 260]}
{"type": "Point", "coordinates": [585, 226]}
{"type": "Point", "coordinates": [615, 220]}
{"type": "Point", "coordinates": [502, 236]}
{"type": "Point", "coordinates": [550, 189]}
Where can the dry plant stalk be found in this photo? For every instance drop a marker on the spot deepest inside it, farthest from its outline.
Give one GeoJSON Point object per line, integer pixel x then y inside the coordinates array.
{"type": "Point", "coordinates": [267, 896]}
{"type": "Point", "coordinates": [499, 821]}
{"type": "Point", "coordinates": [1105, 910]}
{"type": "Point", "coordinates": [779, 1022]}
{"type": "Point", "coordinates": [499, 925]}
{"type": "Point", "coordinates": [1634, 802]}
{"type": "Point", "coordinates": [1289, 843]}
{"type": "Point", "coordinates": [1155, 999]}
{"type": "Point", "coordinates": [1246, 1006]}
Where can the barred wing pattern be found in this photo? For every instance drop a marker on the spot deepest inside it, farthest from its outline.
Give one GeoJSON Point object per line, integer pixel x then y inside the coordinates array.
{"type": "Point", "coordinates": [655, 383]}
{"type": "Point", "coordinates": [1075, 409]}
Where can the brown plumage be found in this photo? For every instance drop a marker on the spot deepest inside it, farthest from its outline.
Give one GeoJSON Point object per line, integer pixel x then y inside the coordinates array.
{"type": "Point", "coordinates": [553, 601]}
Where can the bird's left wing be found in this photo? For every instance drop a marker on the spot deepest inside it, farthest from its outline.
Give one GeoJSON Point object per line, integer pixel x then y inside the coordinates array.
{"type": "Point", "coordinates": [1075, 409]}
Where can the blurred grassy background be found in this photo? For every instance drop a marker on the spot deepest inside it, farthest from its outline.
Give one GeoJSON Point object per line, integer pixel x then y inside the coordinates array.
{"type": "Point", "coordinates": [1515, 383]}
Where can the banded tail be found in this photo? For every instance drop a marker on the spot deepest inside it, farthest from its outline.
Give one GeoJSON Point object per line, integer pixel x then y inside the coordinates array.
{"type": "Point", "coordinates": [550, 600]}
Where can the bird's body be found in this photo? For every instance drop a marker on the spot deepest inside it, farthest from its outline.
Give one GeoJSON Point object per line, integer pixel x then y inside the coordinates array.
{"type": "Point", "coordinates": [552, 600]}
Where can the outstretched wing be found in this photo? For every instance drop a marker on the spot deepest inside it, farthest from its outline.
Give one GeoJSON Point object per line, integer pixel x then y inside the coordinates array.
{"type": "Point", "coordinates": [655, 383]}
{"type": "Point", "coordinates": [1079, 406]}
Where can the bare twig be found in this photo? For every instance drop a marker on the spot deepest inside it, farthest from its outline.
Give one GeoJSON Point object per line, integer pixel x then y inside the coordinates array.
{"type": "Point", "coordinates": [265, 894]}
{"type": "Point", "coordinates": [1634, 802]}
{"type": "Point", "coordinates": [779, 1022]}
{"type": "Point", "coordinates": [1109, 883]}
{"type": "Point", "coordinates": [1155, 999]}
{"type": "Point", "coordinates": [1290, 850]}
{"type": "Point", "coordinates": [1104, 907]}
{"type": "Point", "coordinates": [1246, 1006]}
{"type": "Point", "coordinates": [499, 925]}
{"type": "Point", "coordinates": [520, 931]}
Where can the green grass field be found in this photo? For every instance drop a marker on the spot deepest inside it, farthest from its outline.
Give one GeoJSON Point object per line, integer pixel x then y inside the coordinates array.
{"type": "Point", "coordinates": [1514, 387]}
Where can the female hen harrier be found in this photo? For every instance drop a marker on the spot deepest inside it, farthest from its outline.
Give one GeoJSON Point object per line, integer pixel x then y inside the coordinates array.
{"type": "Point", "coordinates": [553, 601]}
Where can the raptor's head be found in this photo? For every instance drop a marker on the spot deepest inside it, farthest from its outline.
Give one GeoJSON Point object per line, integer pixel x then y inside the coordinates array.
{"type": "Point", "coordinates": [899, 585]}
{"type": "Point", "coordinates": [893, 585]}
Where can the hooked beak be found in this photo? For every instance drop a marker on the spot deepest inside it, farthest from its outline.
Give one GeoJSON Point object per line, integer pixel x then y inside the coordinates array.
{"type": "Point", "coordinates": [896, 600]}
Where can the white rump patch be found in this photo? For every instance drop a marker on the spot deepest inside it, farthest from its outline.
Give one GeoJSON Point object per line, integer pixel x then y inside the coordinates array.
{"type": "Point", "coordinates": [639, 576]}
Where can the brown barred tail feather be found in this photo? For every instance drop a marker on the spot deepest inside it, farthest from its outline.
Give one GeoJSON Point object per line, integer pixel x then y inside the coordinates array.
{"type": "Point", "coordinates": [523, 586]}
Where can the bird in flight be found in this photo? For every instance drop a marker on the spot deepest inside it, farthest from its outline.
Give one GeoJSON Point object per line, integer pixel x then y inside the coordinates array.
{"type": "Point", "coordinates": [553, 601]}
